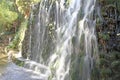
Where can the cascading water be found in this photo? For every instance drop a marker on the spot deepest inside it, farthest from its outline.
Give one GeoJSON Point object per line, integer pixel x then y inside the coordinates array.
{"type": "Point", "coordinates": [63, 44]}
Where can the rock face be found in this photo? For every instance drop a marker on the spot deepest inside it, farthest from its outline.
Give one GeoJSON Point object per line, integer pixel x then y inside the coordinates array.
{"type": "Point", "coordinates": [25, 43]}
{"type": "Point", "coordinates": [35, 33]}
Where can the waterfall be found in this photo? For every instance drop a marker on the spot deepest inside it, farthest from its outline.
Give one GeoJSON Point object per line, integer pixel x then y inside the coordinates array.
{"type": "Point", "coordinates": [62, 43]}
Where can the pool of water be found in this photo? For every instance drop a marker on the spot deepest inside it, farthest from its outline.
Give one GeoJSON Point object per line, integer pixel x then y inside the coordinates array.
{"type": "Point", "coordinates": [14, 72]}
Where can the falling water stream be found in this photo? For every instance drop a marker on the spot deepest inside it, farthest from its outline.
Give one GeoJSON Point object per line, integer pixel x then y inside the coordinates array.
{"type": "Point", "coordinates": [62, 42]}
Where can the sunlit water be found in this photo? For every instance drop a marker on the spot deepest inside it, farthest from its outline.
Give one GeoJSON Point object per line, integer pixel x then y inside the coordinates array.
{"type": "Point", "coordinates": [62, 43]}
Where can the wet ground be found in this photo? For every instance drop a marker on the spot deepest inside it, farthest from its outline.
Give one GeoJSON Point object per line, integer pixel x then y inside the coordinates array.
{"type": "Point", "coordinates": [14, 72]}
{"type": "Point", "coordinates": [10, 71]}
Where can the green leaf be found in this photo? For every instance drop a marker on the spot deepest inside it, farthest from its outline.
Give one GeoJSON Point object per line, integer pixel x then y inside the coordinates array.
{"type": "Point", "coordinates": [115, 63]}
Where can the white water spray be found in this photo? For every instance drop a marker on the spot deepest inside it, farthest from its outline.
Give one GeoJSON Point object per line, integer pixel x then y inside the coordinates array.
{"type": "Point", "coordinates": [72, 51]}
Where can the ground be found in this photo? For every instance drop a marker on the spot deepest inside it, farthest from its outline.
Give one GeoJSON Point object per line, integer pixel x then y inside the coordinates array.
{"type": "Point", "coordinates": [14, 72]}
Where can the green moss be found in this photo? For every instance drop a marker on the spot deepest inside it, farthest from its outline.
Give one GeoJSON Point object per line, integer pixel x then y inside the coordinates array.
{"type": "Point", "coordinates": [18, 62]}
{"type": "Point", "coordinates": [17, 41]}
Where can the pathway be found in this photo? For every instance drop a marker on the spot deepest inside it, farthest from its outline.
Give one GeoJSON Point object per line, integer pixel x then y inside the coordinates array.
{"type": "Point", "coordinates": [14, 72]}
{"type": "Point", "coordinates": [10, 71]}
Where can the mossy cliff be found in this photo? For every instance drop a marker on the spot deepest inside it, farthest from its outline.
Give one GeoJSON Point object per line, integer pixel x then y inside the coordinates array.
{"type": "Point", "coordinates": [109, 40]}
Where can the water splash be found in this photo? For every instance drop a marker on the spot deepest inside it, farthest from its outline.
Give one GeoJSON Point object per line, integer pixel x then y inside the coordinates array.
{"type": "Point", "coordinates": [63, 44]}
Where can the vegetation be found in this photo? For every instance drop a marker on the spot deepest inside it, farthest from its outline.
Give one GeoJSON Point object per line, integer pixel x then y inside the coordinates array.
{"type": "Point", "coordinates": [14, 16]}
{"type": "Point", "coordinates": [7, 15]}
{"type": "Point", "coordinates": [109, 40]}
{"type": "Point", "coordinates": [14, 19]}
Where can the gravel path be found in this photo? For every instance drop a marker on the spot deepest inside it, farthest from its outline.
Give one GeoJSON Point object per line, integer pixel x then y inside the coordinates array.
{"type": "Point", "coordinates": [14, 72]}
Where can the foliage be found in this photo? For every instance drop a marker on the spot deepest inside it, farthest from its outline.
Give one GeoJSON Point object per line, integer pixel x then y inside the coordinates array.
{"type": "Point", "coordinates": [104, 36]}
{"type": "Point", "coordinates": [18, 62]}
{"type": "Point", "coordinates": [109, 41]}
{"type": "Point", "coordinates": [24, 6]}
{"type": "Point", "coordinates": [7, 16]}
{"type": "Point", "coordinates": [110, 65]}
{"type": "Point", "coordinates": [109, 62]}
{"type": "Point", "coordinates": [17, 41]}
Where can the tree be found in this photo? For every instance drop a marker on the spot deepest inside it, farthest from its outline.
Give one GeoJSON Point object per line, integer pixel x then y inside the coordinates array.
{"type": "Point", "coordinates": [7, 16]}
